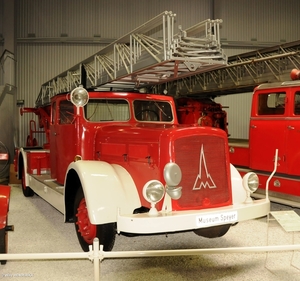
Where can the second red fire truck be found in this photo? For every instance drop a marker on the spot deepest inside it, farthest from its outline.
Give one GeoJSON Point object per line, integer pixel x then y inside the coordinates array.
{"type": "Point", "coordinates": [274, 124]}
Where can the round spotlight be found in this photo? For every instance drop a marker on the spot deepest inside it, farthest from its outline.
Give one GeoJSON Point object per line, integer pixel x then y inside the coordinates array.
{"type": "Point", "coordinates": [250, 182]}
{"type": "Point", "coordinates": [153, 191]}
{"type": "Point", "coordinates": [79, 97]}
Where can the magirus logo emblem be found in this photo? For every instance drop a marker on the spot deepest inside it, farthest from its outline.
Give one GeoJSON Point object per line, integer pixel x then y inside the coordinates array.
{"type": "Point", "coordinates": [203, 178]}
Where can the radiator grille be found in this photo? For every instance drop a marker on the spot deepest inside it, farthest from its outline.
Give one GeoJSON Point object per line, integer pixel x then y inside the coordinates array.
{"type": "Point", "coordinates": [205, 172]}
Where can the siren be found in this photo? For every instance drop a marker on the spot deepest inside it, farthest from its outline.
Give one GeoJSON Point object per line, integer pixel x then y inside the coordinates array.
{"type": "Point", "coordinates": [295, 74]}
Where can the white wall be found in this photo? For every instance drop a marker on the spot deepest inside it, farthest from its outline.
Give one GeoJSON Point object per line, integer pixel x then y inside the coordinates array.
{"type": "Point", "coordinates": [238, 108]}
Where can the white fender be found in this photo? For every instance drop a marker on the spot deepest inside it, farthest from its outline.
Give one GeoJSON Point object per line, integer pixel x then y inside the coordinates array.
{"type": "Point", "coordinates": [108, 189]}
{"type": "Point", "coordinates": [238, 192]}
{"type": "Point", "coordinates": [24, 156]}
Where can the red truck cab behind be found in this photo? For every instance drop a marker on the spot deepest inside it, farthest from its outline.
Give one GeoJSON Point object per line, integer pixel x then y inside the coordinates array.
{"type": "Point", "coordinates": [274, 124]}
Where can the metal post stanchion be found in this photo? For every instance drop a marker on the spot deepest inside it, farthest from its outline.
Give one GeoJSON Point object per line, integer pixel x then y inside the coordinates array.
{"type": "Point", "coordinates": [95, 258]}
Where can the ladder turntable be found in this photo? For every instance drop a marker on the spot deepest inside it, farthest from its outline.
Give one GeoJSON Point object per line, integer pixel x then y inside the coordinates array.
{"type": "Point", "coordinates": [149, 55]}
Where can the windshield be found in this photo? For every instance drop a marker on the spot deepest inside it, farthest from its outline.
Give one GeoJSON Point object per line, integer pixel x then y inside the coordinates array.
{"type": "Point", "coordinates": [107, 110]}
{"type": "Point", "coordinates": [99, 110]}
{"type": "Point", "coordinates": [145, 110]}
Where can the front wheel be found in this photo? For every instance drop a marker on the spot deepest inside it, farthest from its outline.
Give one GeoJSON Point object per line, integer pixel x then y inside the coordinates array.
{"type": "Point", "coordinates": [86, 232]}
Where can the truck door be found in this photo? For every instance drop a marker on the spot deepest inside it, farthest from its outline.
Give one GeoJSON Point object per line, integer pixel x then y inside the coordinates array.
{"type": "Point", "coordinates": [62, 138]}
{"type": "Point", "coordinates": [268, 130]}
{"type": "Point", "coordinates": [293, 134]}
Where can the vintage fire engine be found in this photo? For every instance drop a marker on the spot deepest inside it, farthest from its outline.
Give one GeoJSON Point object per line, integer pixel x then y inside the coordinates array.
{"type": "Point", "coordinates": [118, 161]}
{"type": "Point", "coordinates": [274, 124]}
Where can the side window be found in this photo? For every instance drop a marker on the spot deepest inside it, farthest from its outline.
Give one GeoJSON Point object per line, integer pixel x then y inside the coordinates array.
{"type": "Point", "coordinates": [297, 103]}
{"type": "Point", "coordinates": [66, 112]}
{"type": "Point", "coordinates": [271, 104]}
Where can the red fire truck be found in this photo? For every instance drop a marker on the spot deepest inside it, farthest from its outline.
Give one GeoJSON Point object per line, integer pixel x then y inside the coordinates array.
{"type": "Point", "coordinates": [274, 124]}
{"type": "Point", "coordinates": [119, 161]}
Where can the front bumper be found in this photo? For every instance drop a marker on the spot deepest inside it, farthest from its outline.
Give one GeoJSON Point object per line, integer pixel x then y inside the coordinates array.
{"type": "Point", "coordinates": [188, 220]}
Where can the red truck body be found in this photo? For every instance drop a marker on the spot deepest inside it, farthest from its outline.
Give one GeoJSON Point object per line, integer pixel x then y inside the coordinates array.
{"type": "Point", "coordinates": [274, 124]}
{"type": "Point", "coordinates": [203, 112]}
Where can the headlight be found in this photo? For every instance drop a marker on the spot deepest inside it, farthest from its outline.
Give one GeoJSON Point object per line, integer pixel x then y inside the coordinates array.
{"type": "Point", "coordinates": [172, 174]}
{"type": "Point", "coordinates": [79, 97]}
{"type": "Point", "coordinates": [153, 191]}
{"type": "Point", "coordinates": [250, 182]}
{"type": "Point", "coordinates": [174, 192]}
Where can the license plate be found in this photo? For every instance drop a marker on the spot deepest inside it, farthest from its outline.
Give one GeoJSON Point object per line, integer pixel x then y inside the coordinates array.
{"type": "Point", "coordinates": [216, 219]}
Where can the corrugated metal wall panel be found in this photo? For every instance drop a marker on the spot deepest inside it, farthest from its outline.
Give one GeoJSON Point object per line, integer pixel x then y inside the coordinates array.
{"type": "Point", "coordinates": [238, 114]}
{"type": "Point", "coordinates": [263, 20]}
{"type": "Point", "coordinates": [110, 19]}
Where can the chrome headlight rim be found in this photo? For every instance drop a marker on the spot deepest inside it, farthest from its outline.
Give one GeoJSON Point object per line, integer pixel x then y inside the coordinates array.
{"type": "Point", "coordinates": [153, 191]}
{"type": "Point", "coordinates": [79, 96]}
{"type": "Point", "coordinates": [250, 182]}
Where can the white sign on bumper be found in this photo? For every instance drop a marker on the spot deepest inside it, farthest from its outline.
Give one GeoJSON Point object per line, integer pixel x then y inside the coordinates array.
{"type": "Point", "coordinates": [216, 219]}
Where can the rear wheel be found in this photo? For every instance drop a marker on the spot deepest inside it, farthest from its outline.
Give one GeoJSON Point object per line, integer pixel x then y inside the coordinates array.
{"type": "Point", "coordinates": [86, 232]}
{"type": "Point", "coordinates": [214, 231]}
{"type": "Point", "coordinates": [27, 191]}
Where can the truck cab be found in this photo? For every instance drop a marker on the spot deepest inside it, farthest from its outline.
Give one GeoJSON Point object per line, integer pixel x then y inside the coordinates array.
{"type": "Point", "coordinates": [274, 125]}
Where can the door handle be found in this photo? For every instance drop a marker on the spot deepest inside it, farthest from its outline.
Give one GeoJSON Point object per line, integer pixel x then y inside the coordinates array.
{"type": "Point", "coordinates": [290, 127]}
{"type": "Point", "coordinates": [253, 127]}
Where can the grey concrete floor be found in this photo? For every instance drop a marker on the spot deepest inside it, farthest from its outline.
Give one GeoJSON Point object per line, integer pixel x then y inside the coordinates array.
{"type": "Point", "coordinates": [39, 228]}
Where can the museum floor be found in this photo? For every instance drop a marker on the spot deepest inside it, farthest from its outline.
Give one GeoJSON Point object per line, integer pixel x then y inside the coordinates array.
{"type": "Point", "coordinates": [40, 229]}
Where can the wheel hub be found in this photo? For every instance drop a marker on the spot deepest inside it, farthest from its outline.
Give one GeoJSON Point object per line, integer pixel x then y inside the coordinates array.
{"type": "Point", "coordinates": [85, 228]}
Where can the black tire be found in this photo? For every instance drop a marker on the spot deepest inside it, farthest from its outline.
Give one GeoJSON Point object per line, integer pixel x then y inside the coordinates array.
{"type": "Point", "coordinates": [27, 191]}
{"type": "Point", "coordinates": [86, 232]}
{"type": "Point", "coordinates": [3, 243]}
{"type": "Point", "coordinates": [213, 232]}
